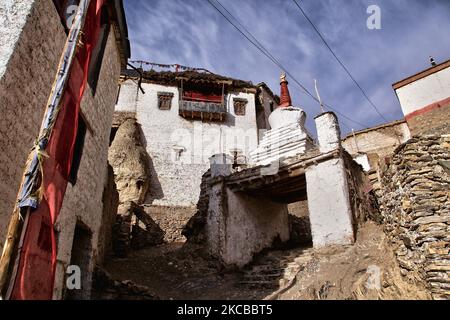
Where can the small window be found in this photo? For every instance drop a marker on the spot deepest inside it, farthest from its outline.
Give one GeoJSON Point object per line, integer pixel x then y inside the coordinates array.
{"type": "Point", "coordinates": [240, 106]}
{"type": "Point", "coordinates": [78, 150]}
{"type": "Point", "coordinates": [271, 106]}
{"type": "Point", "coordinates": [99, 52]}
{"type": "Point", "coordinates": [165, 100]}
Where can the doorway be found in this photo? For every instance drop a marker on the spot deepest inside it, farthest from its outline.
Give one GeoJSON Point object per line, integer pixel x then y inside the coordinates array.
{"type": "Point", "coordinates": [81, 257]}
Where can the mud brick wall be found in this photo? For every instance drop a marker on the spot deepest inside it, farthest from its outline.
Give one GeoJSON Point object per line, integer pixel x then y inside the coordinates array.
{"type": "Point", "coordinates": [416, 210]}
{"type": "Point", "coordinates": [29, 69]}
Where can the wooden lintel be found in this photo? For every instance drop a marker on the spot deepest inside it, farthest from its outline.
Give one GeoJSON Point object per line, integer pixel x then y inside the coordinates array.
{"type": "Point", "coordinates": [229, 82]}
{"type": "Point", "coordinates": [296, 172]}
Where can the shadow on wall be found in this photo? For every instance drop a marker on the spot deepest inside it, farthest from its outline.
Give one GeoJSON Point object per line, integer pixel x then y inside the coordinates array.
{"type": "Point", "coordinates": [299, 224]}
{"type": "Point", "coordinates": [155, 191]}
{"type": "Point", "coordinates": [231, 120]}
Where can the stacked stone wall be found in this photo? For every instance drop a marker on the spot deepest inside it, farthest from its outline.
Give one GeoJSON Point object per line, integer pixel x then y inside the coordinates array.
{"type": "Point", "coordinates": [416, 210]}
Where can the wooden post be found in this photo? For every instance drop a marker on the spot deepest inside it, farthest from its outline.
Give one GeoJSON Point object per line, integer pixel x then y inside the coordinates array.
{"type": "Point", "coordinates": [16, 223]}
{"type": "Point", "coordinates": [182, 92]}
{"type": "Point", "coordinates": [356, 142]}
{"type": "Point", "coordinates": [318, 96]}
{"type": "Point", "coordinates": [9, 251]}
{"type": "Point", "coordinates": [223, 95]}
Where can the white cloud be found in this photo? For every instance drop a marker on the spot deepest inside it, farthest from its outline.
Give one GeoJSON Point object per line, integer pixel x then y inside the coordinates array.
{"type": "Point", "coordinates": [192, 33]}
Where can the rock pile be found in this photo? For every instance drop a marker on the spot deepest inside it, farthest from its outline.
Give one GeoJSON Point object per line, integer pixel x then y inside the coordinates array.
{"type": "Point", "coordinates": [416, 210]}
{"type": "Point", "coordinates": [129, 159]}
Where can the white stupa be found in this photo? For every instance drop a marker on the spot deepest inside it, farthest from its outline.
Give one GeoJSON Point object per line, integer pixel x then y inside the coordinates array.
{"type": "Point", "coordinates": [288, 136]}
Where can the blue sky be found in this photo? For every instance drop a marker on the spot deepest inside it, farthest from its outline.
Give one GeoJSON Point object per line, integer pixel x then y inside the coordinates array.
{"type": "Point", "coordinates": [192, 33]}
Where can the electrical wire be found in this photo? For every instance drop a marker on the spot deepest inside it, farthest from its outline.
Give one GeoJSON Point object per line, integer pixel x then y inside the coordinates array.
{"type": "Point", "coordinates": [267, 53]}
{"type": "Point", "coordinates": [340, 61]}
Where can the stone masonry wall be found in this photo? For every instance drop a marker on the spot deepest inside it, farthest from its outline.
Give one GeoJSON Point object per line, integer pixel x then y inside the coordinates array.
{"type": "Point", "coordinates": [194, 229]}
{"type": "Point", "coordinates": [436, 121]}
{"type": "Point", "coordinates": [416, 210]}
{"type": "Point", "coordinates": [171, 220]}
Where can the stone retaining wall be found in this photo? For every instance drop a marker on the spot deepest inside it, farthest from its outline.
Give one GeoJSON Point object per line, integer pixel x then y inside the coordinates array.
{"type": "Point", "coordinates": [416, 210]}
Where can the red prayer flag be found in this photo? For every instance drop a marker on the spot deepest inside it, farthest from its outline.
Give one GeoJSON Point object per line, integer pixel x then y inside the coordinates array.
{"type": "Point", "coordinates": [37, 263]}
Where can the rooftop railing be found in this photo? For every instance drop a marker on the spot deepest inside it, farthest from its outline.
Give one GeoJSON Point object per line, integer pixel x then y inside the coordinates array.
{"type": "Point", "coordinates": [203, 110]}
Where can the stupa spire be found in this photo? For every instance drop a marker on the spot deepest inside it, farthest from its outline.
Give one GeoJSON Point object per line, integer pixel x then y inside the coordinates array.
{"type": "Point", "coordinates": [285, 97]}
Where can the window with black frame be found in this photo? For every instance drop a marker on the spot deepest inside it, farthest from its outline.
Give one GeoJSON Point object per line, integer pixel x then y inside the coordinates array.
{"type": "Point", "coordinates": [67, 10]}
{"type": "Point", "coordinates": [78, 150]}
{"type": "Point", "coordinates": [99, 51]}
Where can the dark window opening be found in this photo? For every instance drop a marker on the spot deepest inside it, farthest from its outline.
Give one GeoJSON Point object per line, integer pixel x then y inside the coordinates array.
{"type": "Point", "coordinates": [165, 100]}
{"type": "Point", "coordinates": [99, 52]}
{"type": "Point", "coordinates": [240, 106]}
{"type": "Point", "coordinates": [78, 150]}
{"type": "Point", "coordinates": [271, 107]}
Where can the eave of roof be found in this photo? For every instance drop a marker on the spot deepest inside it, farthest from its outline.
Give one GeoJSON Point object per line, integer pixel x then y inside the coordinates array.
{"type": "Point", "coordinates": [421, 75]}
{"type": "Point", "coordinates": [118, 19]}
{"type": "Point", "coordinates": [275, 97]}
{"type": "Point", "coordinates": [173, 78]}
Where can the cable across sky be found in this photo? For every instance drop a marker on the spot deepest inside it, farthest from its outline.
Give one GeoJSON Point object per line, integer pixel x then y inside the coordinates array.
{"type": "Point", "coordinates": [339, 60]}
{"type": "Point", "coordinates": [255, 42]}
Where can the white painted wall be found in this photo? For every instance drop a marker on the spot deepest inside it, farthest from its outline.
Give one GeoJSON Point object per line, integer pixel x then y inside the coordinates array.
{"type": "Point", "coordinates": [328, 132]}
{"type": "Point", "coordinates": [363, 160]}
{"type": "Point", "coordinates": [13, 15]}
{"type": "Point", "coordinates": [330, 212]}
{"type": "Point", "coordinates": [239, 225]}
{"type": "Point", "coordinates": [177, 182]}
{"type": "Point", "coordinates": [423, 92]}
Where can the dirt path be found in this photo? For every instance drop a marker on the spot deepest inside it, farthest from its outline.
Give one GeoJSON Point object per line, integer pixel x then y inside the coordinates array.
{"type": "Point", "coordinates": [177, 271]}
{"type": "Point", "coordinates": [174, 271]}
{"type": "Point", "coordinates": [367, 270]}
